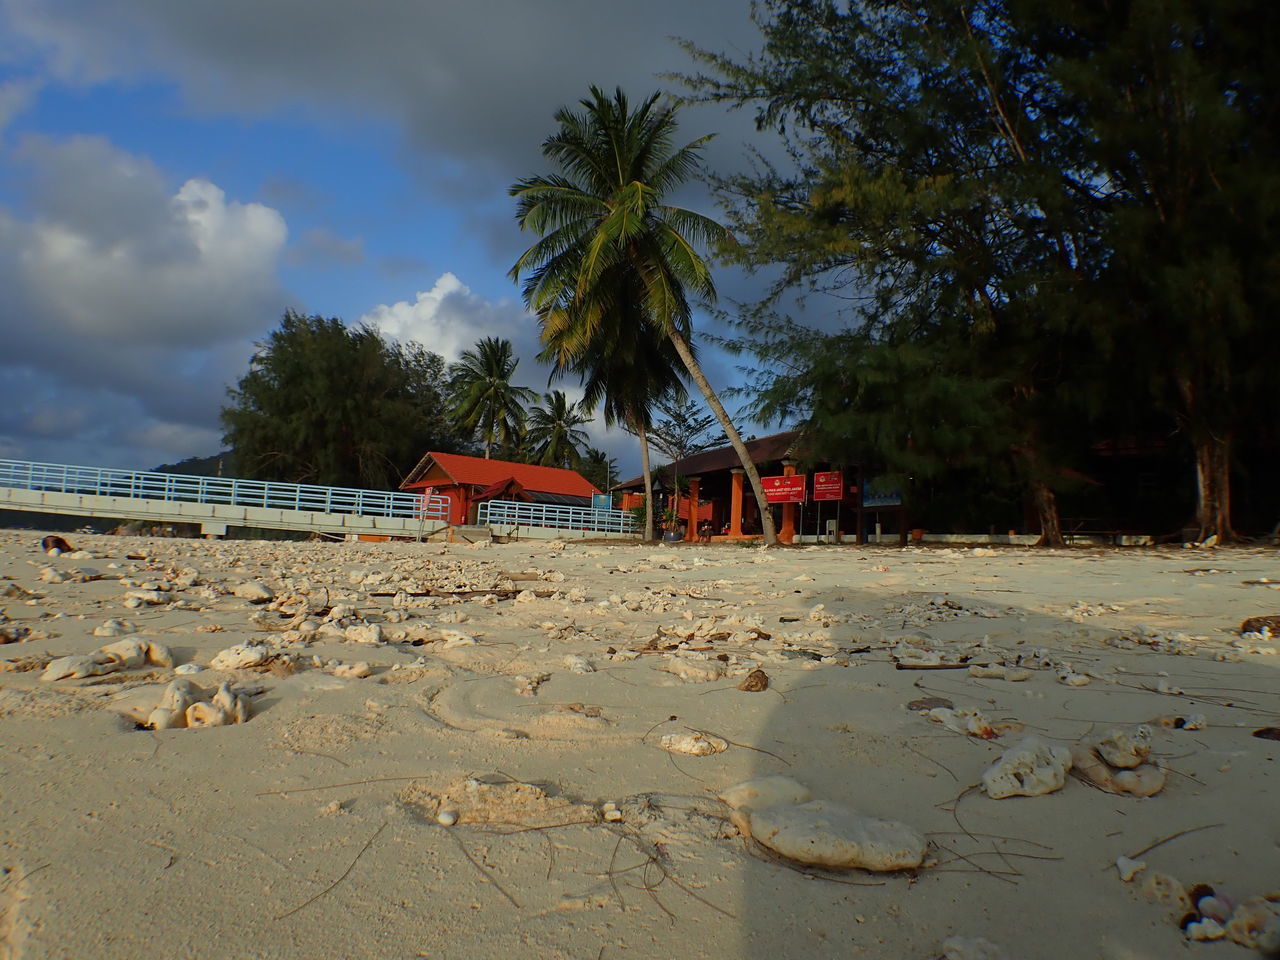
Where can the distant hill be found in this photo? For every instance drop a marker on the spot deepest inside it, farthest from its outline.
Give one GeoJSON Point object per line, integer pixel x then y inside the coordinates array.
{"type": "Point", "coordinates": [217, 465]}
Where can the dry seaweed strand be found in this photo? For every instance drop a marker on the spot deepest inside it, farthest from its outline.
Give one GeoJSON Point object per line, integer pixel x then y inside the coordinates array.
{"type": "Point", "coordinates": [483, 870]}
{"type": "Point", "coordinates": [653, 862]}
{"type": "Point", "coordinates": [758, 850]}
{"type": "Point", "coordinates": [345, 873]}
{"type": "Point", "coordinates": [745, 746]}
{"type": "Point", "coordinates": [921, 753]}
{"type": "Point", "coordinates": [1171, 837]}
{"type": "Point", "coordinates": [334, 786]}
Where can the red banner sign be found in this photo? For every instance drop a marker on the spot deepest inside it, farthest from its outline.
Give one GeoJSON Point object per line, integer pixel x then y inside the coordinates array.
{"type": "Point", "coordinates": [828, 486]}
{"type": "Point", "coordinates": [784, 489]}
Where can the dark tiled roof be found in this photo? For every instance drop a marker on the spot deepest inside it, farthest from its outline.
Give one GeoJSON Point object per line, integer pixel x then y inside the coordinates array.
{"type": "Point", "coordinates": [777, 446]}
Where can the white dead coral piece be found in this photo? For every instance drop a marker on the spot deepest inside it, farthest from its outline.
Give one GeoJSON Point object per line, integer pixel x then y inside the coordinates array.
{"type": "Point", "coordinates": [969, 722]}
{"type": "Point", "coordinates": [364, 633]}
{"type": "Point", "coordinates": [1117, 763]}
{"type": "Point", "coordinates": [79, 666]}
{"type": "Point", "coordinates": [1028, 769]}
{"type": "Point", "coordinates": [757, 794]}
{"type": "Point", "coordinates": [999, 671]}
{"type": "Point", "coordinates": [114, 628]}
{"type": "Point", "coordinates": [121, 655]}
{"type": "Point", "coordinates": [353, 671]}
{"type": "Point", "coordinates": [136, 653]}
{"type": "Point", "coordinates": [1128, 869]}
{"type": "Point", "coordinates": [771, 791]}
{"type": "Point", "coordinates": [1205, 929]}
{"type": "Point", "coordinates": [1167, 891]}
{"type": "Point", "coordinates": [1126, 749]}
{"type": "Point", "coordinates": [1256, 923]}
{"type": "Point", "coordinates": [694, 671]}
{"type": "Point", "coordinates": [254, 591]}
{"type": "Point", "coordinates": [240, 657]}
{"type": "Point", "coordinates": [826, 834]}
{"type": "Point", "coordinates": [184, 705]}
{"type": "Point", "coordinates": [696, 744]}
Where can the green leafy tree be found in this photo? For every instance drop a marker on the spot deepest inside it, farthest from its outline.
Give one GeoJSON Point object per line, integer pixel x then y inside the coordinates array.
{"type": "Point", "coordinates": [599, 468]}
{"type": "Point", "coordinates": [329, 404]}
{"type": "Point", "coordinates": [612, 248]}
{"type": "Point", "coordinates": [1180, 104]}
{"type": "Point", "coordinates": [683, 431]}
{"type": "Point", "coordinates": [927, 192]}
{"type": "Point", "coordinates": [554, 437]}
{"type": "Point", "coordinates": [485, 400]}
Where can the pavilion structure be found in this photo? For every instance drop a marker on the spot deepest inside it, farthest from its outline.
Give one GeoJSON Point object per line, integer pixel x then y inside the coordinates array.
{"type": "Point", "coordinates": [468, 481]}
{"type": "Point", "coordinates": [719, 495]}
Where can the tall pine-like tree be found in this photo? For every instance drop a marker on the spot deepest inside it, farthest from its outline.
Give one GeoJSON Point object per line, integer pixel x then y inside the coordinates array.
{"type": "Point", "coordinates": [927, 193]}
{"type": "Point", "coordinates": [330, 404]}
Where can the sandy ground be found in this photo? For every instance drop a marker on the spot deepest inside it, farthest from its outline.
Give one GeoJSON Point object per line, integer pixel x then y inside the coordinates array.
{"type": "Point", "coordinates": [522, 687]}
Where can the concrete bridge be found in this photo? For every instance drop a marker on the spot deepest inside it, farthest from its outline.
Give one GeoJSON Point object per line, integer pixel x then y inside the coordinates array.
{"type": "Point", "coordinates": [216, 503]}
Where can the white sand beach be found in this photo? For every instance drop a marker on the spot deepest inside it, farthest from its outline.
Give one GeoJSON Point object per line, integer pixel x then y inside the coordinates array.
{"type": "Point", "coordinates": [498, 785]}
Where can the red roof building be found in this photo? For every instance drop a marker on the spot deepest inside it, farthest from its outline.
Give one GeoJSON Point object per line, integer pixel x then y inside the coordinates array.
{"type": "Point", "coordinates": [467, 481]}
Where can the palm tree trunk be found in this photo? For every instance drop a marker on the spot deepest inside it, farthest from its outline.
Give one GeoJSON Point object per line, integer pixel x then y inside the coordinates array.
{"type": "Point", "coordinates": [730, 431]}
{"type": "Point", "coordinates": [638, 425]}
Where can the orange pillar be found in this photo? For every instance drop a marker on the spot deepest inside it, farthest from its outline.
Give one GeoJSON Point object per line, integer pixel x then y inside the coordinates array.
{"type": "Point", "coordinates": [788, 532]}
{"type": "Point", "coordinates": [735, 502]}
{"type": "Point", "coordinates": [691, 528]}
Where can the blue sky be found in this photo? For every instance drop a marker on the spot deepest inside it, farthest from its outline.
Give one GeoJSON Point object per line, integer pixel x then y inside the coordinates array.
{"type": "Point", "coordinates": [174, 176]}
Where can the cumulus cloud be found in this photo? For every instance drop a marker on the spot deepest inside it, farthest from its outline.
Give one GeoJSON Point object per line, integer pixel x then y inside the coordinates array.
{"type": "Point", "coordinates": [133, 303]}
{"type": "Point", "coordinates": [449, 318]}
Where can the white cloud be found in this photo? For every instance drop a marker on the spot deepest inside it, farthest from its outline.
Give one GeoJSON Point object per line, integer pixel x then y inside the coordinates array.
{"type": "Point", "coordinates": [449, 318]}
{"type": "Point", "coordinates": [138, 300]}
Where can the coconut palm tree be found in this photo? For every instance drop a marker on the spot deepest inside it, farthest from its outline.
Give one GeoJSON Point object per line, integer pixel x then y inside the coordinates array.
{"type": "Point", "coordinates": [553, 437]}
{"type": "Point", "coordinates": [625, 374]}
{"type": "Point", "coordinates": [611, 250]}
{"type": "Point", "coordinates": [485, 399]}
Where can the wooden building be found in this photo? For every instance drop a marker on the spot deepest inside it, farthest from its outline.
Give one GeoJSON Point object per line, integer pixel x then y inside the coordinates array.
{"type": "Point", "coordinates": [719, 496]}
{"type": "Point", "coordinates": [467, 481]}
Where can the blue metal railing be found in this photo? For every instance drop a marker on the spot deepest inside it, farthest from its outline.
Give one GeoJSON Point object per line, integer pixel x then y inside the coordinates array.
{"type": "Point", "coordinates": [517, 513]}
{"type": "Point", "coordinates": [222, 491]}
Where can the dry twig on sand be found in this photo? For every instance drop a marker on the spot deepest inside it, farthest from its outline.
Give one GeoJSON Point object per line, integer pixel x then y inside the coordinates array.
{"type": "Point", "coordinates": [345, 873]}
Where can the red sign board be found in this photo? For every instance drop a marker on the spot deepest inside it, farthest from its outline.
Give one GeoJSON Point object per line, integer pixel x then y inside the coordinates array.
{"type": "Point", "coordinates": [784, 489]}
{"type": "Point", "coordinates": [828, 486]}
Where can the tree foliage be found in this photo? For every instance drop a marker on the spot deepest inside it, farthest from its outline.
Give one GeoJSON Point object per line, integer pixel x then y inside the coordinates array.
{"type": "Point", "coordinates": [616, 264]}
{"type": "Point", "coordinates": [684, 429]}
{"type": "Point", "coordinates": [1013, 199]}
{"type": "Point", "coordinates": [329, 404]}
{"type": "Point", "coordinates": [554, 437]}
{"type": "Point", "coordinates": [600, 469]}
{"type": "Point", "coordinates": [486, 402]}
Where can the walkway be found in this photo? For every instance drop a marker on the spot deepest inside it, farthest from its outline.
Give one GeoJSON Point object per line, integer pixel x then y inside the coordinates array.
{"type": "Point", "coordinates": [216, 503]}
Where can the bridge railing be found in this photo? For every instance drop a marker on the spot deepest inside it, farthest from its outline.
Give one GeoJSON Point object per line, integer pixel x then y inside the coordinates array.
{"type": "Point", "coordinates": [518, 513]}
{"type": "Point", "coordinates": [222, 491]}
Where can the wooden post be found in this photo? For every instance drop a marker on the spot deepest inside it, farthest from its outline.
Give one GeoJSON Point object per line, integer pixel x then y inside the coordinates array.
{"type": "Point", "coordinates": [691, 528]}
{"type": "Point", "coordinates": [735, 502]}
{"type": "Point", "coordinates": [788, 532]}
